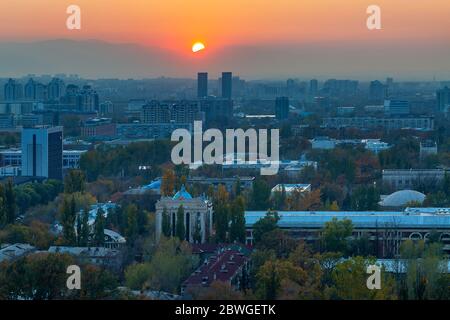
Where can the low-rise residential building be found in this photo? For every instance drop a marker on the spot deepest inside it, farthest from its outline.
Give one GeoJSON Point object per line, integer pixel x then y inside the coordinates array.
{"type": "Point", "coordinates": [10, 171]}
{"type": "Point", "coordinates": [291, 188]}
{"type": "Point", "coordinates": [98, 128]}
{"type": "Point", "coordinates": [428, 148]}
{"type": "Point", "coordinates": [241, 161]}
{"type": "Point", "coordinates": [150, 130]}
{"type": "Point", "coordinates": [15, 251]}
{"type": "Point", "coordinates": [229, 264]}
{"type": "Point", "coordinates": [399, 179]}
{"type": "Point", "coordinates": [71, 158]}
{"type": "Point", "coordinates": [229, 183]}
{"type": "Point", "coordinates": [11, 157]}
{"type": "Point", "coordinates": [391, 123]}
{"type": "Point", "coordinates": [324, 143]}
{"type": "Point", "coordinates": [400, 266]}
{"type": "Point", "coordinates": [375, 145]}
{"type": "Point", "coordinates": [99, 256]}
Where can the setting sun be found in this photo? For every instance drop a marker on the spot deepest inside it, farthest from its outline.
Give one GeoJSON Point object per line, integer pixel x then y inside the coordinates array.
{"type": "Point", "coordinates": [198, 46]}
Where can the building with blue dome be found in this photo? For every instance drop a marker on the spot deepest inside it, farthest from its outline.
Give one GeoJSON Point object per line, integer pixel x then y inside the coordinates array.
{"type": "Point", "coordinates": [198, 214]}
{"type": "Point", "coordinates": [182, 194]}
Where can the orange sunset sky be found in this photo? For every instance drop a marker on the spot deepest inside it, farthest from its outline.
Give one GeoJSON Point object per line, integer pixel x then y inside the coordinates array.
{"type": "Point", "coordinates": [177, 24]}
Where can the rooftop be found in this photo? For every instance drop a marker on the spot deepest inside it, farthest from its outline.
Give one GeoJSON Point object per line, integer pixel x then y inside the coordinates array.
{"type": "Point", "coordinates": [15, 251]}
{"type": "Point", "coordinates": [222, 266]}
{"type": "Point", "coordinates": [288, 188]}
{"type": "Point", "coordinates": [409, 218]}
{"type": "Point", "coordinates": [97, 252]}
{"type": "Point", "coordinates": [402, 198]}
{"type": "Point", "coordinates": [182, 194]}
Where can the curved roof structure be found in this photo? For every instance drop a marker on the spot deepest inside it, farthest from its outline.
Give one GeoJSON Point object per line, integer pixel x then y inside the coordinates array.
{"type": "Point", "coordinates": [182, 194]}
{"type": "Point", "coordinates": [402, 198]}
{"type": "Point", "coordinates": [154, 185]}
{"type": "Point", "coordinates": [114, 236]}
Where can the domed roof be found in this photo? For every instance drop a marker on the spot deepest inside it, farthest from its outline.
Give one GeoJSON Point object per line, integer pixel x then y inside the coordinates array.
{"type": "Point", "coordinates": [401, 198]}
{"type": "Point", "coordinates": [182, 194]}
{"type": "Point", "coordinates": [154, 185]}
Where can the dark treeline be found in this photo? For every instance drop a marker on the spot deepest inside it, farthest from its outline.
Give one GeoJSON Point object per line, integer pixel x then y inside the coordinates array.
{"type": "Point", "coordinates": [125, 161]}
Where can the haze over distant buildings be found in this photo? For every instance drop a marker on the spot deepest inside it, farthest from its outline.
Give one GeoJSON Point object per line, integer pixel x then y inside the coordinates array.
{"type": "Point", "coordinates": [99, 59]}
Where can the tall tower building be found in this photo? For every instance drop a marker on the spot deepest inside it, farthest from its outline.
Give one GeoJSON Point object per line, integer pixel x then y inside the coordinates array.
{"type": "Point", "coordinates": [13, 90]}
{"type": "Point", "coordinates": [42, 149]}
{"type": "Point", "coordinates": [377, 91]}
{"type": "Point", "coordinates": [30, 90]}
{"type": "Point", "coordinates": [443, 99]}
{"type": "Point", "coordinates": [313, 87]}
{"type": "Point", "coordinates": [227, 79]}
{"type": "Point", "coordinates": [56, 89]}
{"type": "Point", "coordinates": [282, 108]}
{"type": "Point", "coordinates": [202, 84]}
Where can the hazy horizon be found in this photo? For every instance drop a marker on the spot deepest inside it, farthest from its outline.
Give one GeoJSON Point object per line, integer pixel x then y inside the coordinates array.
{"type": "Point", "coordinates": [256, 39]}
{"type": "Point", "coordinates": [96, 59]}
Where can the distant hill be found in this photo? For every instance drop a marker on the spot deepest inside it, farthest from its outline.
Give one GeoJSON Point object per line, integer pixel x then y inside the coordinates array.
{"type": "Point", "coordinates": [98, 59]}
{"type": "Point", "coordinates": [90, 58]}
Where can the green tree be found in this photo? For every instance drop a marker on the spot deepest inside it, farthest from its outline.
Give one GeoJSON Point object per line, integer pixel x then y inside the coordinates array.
{"type": "Point", "coordinates": [237, 226]}
{"type": "Point", "coordinates": [78, 223]}
{"type": "Point", "coordinates": [3, 211]}
{"type": "Point", "coordinates": [85, 229]}
{"type": "Point", "coordinates": [237, 188]}
{"type": "Point", "coordinates": [166, 229]}
{"type": "Point", "coordinates": [221, 214]}
{"type": "Point", "coordinates": [99, 228]}
{"type": "Point", "coordinates": [218, 290]}
{"type": "Point", "coordinates": [197, 236]}
{"type": "Point", "coordinates": [277, 240]}
{"type": "Point", "coordinates": [40, 276]}
{"type": "Point", "coordinates": [132, 227]}
{"type": "Point", "coordinates": [136, 275]}
{"type": "Point", "coordinates": [10, 202]}
{"type": "Point", "coordinates": [365, 198]}
{"type": "Point", "coordinates": [75, 181]}
{"type": "Point", "coordinates": [68, 217]}
{"type": "Point", "coordinates": [279, 199]}
{"type": "Point", "coordinates": [436, 199]}
{"type": "Point", "coordinates": [168, 183]}
{"type": "Point", "coordinates": [37, 234]}
{"type": "Point", "coordinates": [335, 235]}
{"type": "Point", "coordinates": [302, 257]}
{"type": "Point", "coordinates": [350, 282]}
{"type": "Point", "coordinates": [425, 268]}
{"type": "Point", "coordinates": [265, 225]}
{"type": "Point", "coordinates": [260, 196]}
{"type": "Point", "coordinates": [275, 275]}
{"type": "Point", "coordinates": [96, 283]}
{"type": "Point", "coordinates": [171, 263]}
{"type": "Point", "coordinates": [142, 220]}
{"type": "Point", "coordinates": [180, 229]}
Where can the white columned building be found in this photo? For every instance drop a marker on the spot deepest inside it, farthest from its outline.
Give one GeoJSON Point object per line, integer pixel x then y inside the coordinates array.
{"type": "Point", "coordinates": [198, 213]}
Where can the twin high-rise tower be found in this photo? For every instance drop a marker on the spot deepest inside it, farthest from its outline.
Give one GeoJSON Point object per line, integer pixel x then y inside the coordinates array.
{"type": "Point", "coordinates": [227, 78]}
{"type": "Point", "coordinates": [202, 84]}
